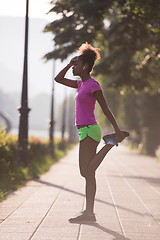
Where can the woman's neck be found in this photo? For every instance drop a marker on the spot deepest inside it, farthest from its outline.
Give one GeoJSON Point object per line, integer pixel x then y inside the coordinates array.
{"type": "Point", "coordinates": [85, 77]}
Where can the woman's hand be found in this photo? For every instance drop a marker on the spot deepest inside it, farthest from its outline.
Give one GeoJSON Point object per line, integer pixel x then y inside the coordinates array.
{"type": "Point", "coordinates": [73, 60]}
{"type": "Point", "coordinates": [119, 136]}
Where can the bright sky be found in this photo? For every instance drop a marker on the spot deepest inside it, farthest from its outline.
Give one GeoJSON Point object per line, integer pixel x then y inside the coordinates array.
{"type": "Point", "coordinates": [37, 8]}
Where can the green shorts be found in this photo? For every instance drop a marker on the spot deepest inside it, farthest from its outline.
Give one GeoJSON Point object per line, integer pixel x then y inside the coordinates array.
{"type": "Point", "coordinates": [92, 131]}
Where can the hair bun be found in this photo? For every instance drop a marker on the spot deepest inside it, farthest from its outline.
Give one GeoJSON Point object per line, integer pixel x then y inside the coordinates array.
{"type": "Point", "coordinates": [89, 52]}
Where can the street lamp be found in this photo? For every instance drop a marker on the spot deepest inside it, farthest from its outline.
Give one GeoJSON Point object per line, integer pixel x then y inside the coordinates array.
{"type": "Point", "coordinates": [52, 122]}
{"type": "Point", "coordinates": [64, 116]}
{"type": "Point", "coordinates": [24, 110]}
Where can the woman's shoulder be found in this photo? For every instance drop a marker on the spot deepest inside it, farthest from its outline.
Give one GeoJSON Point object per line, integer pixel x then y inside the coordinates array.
{"type": "Point", "coordinates": [93, 81]}
{"type": "Point", "coordinates": [94, 85]}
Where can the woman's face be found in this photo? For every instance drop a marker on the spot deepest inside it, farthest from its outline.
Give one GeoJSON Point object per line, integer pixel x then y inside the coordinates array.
{"type": "Point", "coordinates": [78, 68]}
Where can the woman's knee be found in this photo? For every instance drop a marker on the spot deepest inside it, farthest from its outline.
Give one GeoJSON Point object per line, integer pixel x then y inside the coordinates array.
{"type": "Point", "coordinates": [87, 174]}
{"type": "Point", "coordinates": [83, 173]}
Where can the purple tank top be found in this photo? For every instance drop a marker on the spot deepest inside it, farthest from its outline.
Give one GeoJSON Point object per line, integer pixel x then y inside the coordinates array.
{"type": "Point", "coordinates": [85, 102]}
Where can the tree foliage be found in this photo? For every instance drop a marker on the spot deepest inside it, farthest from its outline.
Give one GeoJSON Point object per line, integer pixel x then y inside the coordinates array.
{"type": "Point", "coordinates": [79, 21]}
{"type": "Point", "coordinates": [128, 32]}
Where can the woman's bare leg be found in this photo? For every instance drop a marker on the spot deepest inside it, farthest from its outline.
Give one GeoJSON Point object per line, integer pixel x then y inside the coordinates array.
{"type": "Point", "coordinates": [87, 151]}
{"type": "Point", "coordinates": [89, 161]}
{"type": "Point", "coordinates": [98, 158]}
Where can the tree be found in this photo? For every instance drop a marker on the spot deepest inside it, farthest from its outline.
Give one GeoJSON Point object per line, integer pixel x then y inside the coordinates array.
{"type": "Point", "coordinates": [79, 21]}
{"type": "Point", "coordinates": [133, 39]}
{"type": "Point", "coordinates": [131, 43]}
{"type": "Point", "coordinates": [149, 118]}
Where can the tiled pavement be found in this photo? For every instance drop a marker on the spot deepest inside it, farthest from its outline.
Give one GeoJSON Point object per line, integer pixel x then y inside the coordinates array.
{"type": "Point", "coordinates": [127, 202]}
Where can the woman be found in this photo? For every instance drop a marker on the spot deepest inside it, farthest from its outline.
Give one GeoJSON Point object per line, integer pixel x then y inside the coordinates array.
{"type": "Point", "coordinates": [88, 92]}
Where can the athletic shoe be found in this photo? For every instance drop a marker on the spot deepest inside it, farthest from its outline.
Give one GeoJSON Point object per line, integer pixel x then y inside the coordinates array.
{"type": "Point", "coordinates": [111, 138]}
{"type": "Point", "coordinates": [83, 217]}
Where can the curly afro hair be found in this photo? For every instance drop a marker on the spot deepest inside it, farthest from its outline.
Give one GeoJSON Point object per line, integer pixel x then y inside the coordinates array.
{"type": "Point", "coordinates": [89, 55]}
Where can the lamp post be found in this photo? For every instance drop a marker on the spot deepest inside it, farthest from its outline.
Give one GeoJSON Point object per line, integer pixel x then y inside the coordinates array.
{"type": "Point", "coordinates": [64, 116]}
{"type": "Point", "coordinates": [24, 110]}
{"type": "Point", "coordinates": [52, 122]}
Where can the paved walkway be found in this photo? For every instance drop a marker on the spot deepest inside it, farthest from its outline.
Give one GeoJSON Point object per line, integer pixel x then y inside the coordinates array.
{"type": "Point", "coordinates": [127, 202]}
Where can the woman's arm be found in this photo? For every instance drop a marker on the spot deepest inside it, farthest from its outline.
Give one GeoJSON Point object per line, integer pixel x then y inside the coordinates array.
{"type": "Point", "coordinates": [102, 102]}
{"type": "Point", "coordinates": [60, 78]}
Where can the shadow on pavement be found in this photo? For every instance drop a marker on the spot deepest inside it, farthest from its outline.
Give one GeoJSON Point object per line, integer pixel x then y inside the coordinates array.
{"type": "Point", "coordinates": [80, 194]}
{"type": "Point", "coordinates": [116, 235]}
{"type": "Point", "coordinates": [148, 179]}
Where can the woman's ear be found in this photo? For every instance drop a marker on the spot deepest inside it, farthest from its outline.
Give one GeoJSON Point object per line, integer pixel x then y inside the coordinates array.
{"type": "Point", "coordinates": [85, 66]}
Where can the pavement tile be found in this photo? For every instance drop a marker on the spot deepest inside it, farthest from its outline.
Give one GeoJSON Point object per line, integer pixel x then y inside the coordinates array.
{"type": "Point", "coordinates": [141, 228]}
{"type": "Point", "coordinates": [18, 228]}
{"type": "Point", "coordinates": [14, 236]}
{"type": "Point", "coordinates": [142, 236]}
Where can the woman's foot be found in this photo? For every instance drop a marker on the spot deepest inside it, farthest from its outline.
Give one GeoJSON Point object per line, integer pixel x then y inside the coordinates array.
{"type": "Point", "coordinates": [83, 217]}
{"type": "Point", "coordinates": [111, 138]}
